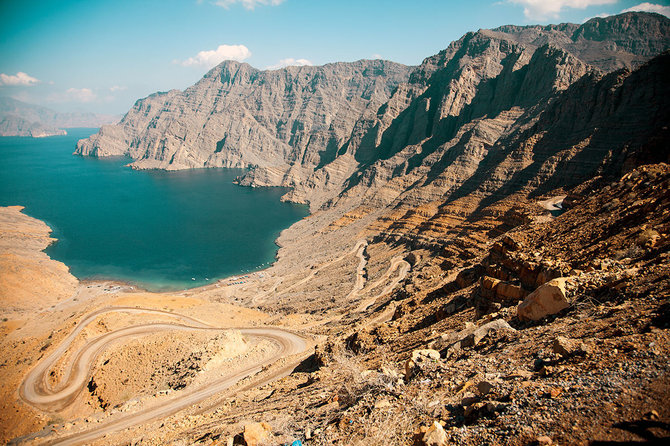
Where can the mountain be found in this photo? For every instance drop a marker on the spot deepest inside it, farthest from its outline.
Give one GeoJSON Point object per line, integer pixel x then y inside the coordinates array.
{"type": "Point", "coordinates": [12, 125]}
{"type": "Point", "coordinates": [289, 121]}
{"type": "Point", "coordinates": [21, 119]}
{"type": "Point", "coordinates": [375, 128]}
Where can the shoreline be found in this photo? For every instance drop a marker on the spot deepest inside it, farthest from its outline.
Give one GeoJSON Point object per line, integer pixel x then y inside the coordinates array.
{"type": "Point", "coordinates": [112, 284]}
{"type": "Point", "coordinates": [130, 287]}
{"type": "Point", "coordinates": [208, 251]}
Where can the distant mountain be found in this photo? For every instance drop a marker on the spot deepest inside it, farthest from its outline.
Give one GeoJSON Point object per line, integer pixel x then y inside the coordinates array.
{"type": "Point", "coordinates": [12, 125]}
{"type": "Point", "coordinates": [516, 108]}
{"type": "Point", "coordinates": [21, 119]}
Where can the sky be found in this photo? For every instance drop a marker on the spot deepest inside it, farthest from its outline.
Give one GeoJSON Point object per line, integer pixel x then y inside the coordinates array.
{"type": "Point", "coordinates": [103, 55]}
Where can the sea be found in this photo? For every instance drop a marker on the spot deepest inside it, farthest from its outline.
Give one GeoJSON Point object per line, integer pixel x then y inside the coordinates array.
{"type": "Point", "coordinates": [162, 231]}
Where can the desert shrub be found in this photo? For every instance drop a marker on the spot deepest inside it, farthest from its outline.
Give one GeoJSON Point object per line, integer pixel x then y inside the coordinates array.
{"type": "Point", "coordinates": [647, 237]}
{"type": "Point", "coordinates": [630, 252]}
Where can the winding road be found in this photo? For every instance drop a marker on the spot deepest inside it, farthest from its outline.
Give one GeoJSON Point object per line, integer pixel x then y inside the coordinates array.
{"type": "Point", "coordinates": [35, 390]}
{"type": "Point", "coordinates": [397, 263]}
{"type": "Point", "coordinates": [359, 249]}
{"type": "Point", "coordinates": [360, 269]}
{"type": "Point", "coordinates": [553, 203]}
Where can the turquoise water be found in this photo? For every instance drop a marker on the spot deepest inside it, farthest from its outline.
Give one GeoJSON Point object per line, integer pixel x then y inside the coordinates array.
{"type": "Point", "coordinates": [156, 229]}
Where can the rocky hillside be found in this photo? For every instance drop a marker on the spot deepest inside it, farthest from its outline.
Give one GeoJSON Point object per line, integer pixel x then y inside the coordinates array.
{"type": "Point", "coordinates": [375, 127]}
{"type": "Point", "coordinates": [556, 333]}
{"type": "Point", "coordinates": [559, 333]}
{"type": "Point", "coordinates": [21, 119]}
{"type": "Point", "coordinates": [287, 121]}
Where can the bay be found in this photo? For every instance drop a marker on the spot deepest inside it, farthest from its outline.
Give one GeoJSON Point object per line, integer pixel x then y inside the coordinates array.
{"type": "Point", "coordinates": [157, 229]}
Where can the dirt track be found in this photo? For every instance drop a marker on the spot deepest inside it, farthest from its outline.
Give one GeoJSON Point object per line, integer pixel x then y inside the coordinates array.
{"type": "Point", "coordinates": [36, 392]}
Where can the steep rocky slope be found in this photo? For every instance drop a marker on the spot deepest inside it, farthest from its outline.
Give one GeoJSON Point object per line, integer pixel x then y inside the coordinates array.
{"type": "Point", "coordinates": [466, 102]}
{"type": "Point", "coordinates": [324, 129]}
{"type": "Point", "coordinates": [455, 362]}
{"type": "Point", "coordinates": [601, 125]}
{"type": "Point", "coordinates": [286, 121]}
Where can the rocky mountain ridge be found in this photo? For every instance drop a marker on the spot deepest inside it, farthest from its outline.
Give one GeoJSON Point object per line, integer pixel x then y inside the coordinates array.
{"type": "Point", "coordinates": [288, 121]}
{"type": "Point", "coordinates": [11, 125]}
{"type": "Point", "coordinates": [374, 128]}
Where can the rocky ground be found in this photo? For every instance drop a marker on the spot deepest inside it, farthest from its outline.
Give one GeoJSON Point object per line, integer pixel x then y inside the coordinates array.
{"type": "Point", "coordinates": [462, 361]}
{"type": "Point", "coordinates": [465, 363]}
{"type": "Point", "coordinates": [534, 329]}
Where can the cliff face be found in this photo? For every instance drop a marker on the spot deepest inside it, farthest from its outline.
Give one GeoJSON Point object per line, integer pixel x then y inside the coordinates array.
{"type": "Point", "coordinates": [287, 121]}
{"type": "Point", "coordinates": [600, 127]}
{"type": "Point", "coordinates": [461, 106]}
{"type": "Point", "coordinates": [469, 119]}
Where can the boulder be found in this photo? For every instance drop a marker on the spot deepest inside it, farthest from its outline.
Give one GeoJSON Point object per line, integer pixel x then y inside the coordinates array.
{"type": "Point", "coordinates": [470, 336]}
{"type": "Point", "coordinates": [480, 333]}
{"type": "Point", "coordinates": [419, 359]}
{"type": "Point", "coordinates": [548, 299]}
{"type": "Point", "coordinates": [484, 387]}
{"type": "Point", "coordinates": [435, 435]}
{"type": "Point", "coordinates": [569, 347]}
{"type": "Point", "coordinates": [488, 286]}
{"type": "Point", "coordinates": [256, 433]}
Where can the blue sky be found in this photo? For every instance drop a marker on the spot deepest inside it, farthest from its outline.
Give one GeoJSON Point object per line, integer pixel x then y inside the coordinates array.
{"type": "Point", "coordinates": [103, 55]}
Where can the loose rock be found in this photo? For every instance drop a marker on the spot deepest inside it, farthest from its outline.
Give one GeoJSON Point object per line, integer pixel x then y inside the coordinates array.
{"type": "Point", "coordinates": [435, 435]}
{"type": "Point", "coordinates": [256, 433]}
{"type": "Point", "coordinates": [548, 299]}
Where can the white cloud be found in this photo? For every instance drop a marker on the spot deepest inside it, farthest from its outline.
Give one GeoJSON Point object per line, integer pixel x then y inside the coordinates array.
{"type": "Point", "coordinates": [115, 88]}
{"type": "Point", "coordinates": [74, 95]}
{"type": "Point", "coordinates": [80, 94]}
{"type": "Point", "coordinates": [650, 7]}
{"type": "Point", "coordinates": [290, 62]}
{"type": "Point", "coordinates": [212, 58]}
{"type": "Point", "coordinates": [377, 56]}
{"type": "Point", "coordinates": [19, 79]}
{"type": "Point", "coordinates": [248, 4]}
{"type": "Point", "coordinates": [602, 15]}
{"type": "Point", "coordinates": [544, 9]}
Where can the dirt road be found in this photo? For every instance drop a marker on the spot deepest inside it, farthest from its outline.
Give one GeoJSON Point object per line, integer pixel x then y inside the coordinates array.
{"type": "Point", "coordinates": [35, 391]}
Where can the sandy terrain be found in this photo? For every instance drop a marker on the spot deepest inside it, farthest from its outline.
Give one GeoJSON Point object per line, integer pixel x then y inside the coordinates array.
{"type": "Point", "coordinates": [29, 279]}
{"type": "Point", "coordinates": [70, 346]}
{"type": "Point", "coordinates": [110, 364]}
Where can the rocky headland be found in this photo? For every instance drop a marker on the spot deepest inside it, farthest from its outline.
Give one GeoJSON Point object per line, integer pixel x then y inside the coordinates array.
{"type": "Point", "coordinates": [486, 261]}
